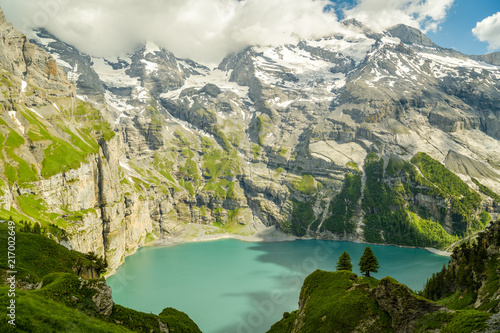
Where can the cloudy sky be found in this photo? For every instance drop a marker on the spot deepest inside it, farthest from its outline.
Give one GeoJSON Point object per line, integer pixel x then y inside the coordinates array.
{"type": "Point", "coordinates": [207, 30]}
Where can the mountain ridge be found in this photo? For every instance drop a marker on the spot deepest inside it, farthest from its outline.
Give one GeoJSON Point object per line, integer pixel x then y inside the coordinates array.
{"type": "Point", "coordinates": [278, 137]}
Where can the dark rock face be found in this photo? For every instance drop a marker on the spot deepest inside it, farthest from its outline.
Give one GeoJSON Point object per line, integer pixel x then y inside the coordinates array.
{"type": "Point", "coordinates": [492, 58]}
{"type": "Point", "coordinates": [81, 65]}
{"type": "Point", "coordinates": [402, 304]}
{"type": "Point", "coordinates": [211, 90]}
{"type": "Point", "coordinates": [166, 77]}
{"type": "Point", "coordinates": [409, 35]}
{"type": "Point", "coordinates": [341, 63]}
{"type": "Point", "coordinates": [103, 300]}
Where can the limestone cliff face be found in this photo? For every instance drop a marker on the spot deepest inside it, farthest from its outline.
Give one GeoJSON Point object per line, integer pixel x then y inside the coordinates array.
{"type": "Point", "coordinates": [83, 205]}
{"type": "Point", "coordinates": [111, 225]}
{"type": "Point", "coordinates": [25, 60]}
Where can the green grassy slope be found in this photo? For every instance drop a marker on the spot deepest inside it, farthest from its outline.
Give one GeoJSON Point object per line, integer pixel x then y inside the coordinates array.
{"type": "Point", "coordinates": [65, 301]}
{"type": "Point", "coordinates": [342, 302]}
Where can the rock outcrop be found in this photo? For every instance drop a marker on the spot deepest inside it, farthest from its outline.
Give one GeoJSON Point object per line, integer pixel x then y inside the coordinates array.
{"type": "Point", "coordinates": [402, 305]}
{"type": "Point", "coordinates": [342, 302]}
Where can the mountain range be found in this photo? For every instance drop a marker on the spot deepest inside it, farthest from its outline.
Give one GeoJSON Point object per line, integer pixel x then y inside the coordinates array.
{"type": "Point", "coordinates": [362, 136]}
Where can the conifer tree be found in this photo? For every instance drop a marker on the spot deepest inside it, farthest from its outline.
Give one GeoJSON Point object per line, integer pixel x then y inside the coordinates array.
{"type": "Point", "coordinates": [36, 229]}
{"type": "Point", "coordinates": [368, 262]}
{"type": "Point", "coordinates": [344, 263]}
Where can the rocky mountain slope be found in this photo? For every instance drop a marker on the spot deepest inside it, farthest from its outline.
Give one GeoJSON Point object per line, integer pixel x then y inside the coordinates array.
{"type": "Point", "coordinates": [59, 158]}
{"type": "Point", "coordinates": [467, 295]}
{"type": "Point", "coordinates": [301, 137]}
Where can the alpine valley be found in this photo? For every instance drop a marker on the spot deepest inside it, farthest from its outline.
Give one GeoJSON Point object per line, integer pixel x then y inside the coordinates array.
{"type": "Point", "coordinates": [360, 136]}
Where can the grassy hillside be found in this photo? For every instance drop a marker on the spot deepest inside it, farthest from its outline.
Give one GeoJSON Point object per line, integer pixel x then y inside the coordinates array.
{"type": "Point", "coordinates": [332, 305]}
{"type": "Point", "coordinates": [343, 302]}
{"type": "Point", "coordinates": [38, 256]}
{"type": "Point", "coordinates": [65, 300]}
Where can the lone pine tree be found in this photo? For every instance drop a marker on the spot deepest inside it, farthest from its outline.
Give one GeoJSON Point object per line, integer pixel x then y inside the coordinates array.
{"type": "Point", "coordinates": [344, 263]}
{"type": "Point", "coordinates": [368, 262]}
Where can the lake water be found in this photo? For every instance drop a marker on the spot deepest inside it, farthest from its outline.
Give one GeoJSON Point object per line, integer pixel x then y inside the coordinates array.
{"type": "Point", "coordinates": [242, 287]}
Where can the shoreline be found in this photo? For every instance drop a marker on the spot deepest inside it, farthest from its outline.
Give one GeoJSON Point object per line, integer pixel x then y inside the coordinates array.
{"type": "Point", "coordinates": [438, 252]}
{"type": "Point", "coordinates": [265, 235]}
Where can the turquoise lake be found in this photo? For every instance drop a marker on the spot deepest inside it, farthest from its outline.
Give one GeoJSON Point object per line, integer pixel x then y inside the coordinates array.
{"type": "Point", "coordinates": [234, 286]}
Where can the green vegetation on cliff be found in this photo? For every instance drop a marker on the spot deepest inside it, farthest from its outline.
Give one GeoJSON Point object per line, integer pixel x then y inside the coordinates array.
{"type": "Point", "coordinates": [343, 206]}
{"type": "Point", "coordinates": [472, 280]}
{"type": "Point", "coordinates": [387, 202]}
{"type": "Point", "coordinates": [302, 217]}
{"type": "Point", "coordinates": [45, 146]}
{"type": "Point", "coordinates": [307, 184]}
{"type": "Point", "coordinates": [417, 203]}
{"type": "Point", "coordinates": [465, 201]}
{"type": "Point", "coordinates": [57, 144]}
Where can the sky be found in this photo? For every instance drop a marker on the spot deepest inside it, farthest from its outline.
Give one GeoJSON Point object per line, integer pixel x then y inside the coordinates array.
{"type": "Point", "coordinates": [208, 30]}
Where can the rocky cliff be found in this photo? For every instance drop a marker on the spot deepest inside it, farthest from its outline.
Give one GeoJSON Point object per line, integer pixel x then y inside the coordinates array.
{"type": "Point", "coordinates": [60, 158]}
{"type": "Point", "coordinates": [307, 138]}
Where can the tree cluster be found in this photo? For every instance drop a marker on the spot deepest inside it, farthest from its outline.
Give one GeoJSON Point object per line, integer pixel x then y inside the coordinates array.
{"type": "Point", "coordinates": [368, 262]}
{"type": "Point", "coordinates": [100, 264]}
{"type": "Point", "coordinates": [31, 228]}
{"type": "Point", "coordinates": [469, 268]}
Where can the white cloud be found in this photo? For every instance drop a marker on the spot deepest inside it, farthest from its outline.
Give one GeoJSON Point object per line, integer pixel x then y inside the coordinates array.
{"type": "Point", "coordinates": [206, 30]}
{"type": "Point", "coordinates": [488, 30]}
{"type": "Point", "coordinates": [381, 14]}
{"type": "Point", "coordinates": [202, 30]}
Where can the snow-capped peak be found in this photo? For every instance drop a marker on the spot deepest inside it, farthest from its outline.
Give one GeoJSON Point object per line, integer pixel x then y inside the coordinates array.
{"type": "Point", "coordinates": [151, 47]}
